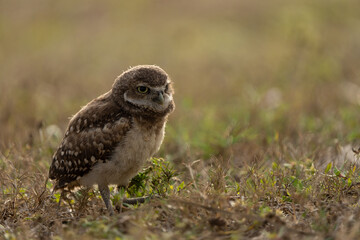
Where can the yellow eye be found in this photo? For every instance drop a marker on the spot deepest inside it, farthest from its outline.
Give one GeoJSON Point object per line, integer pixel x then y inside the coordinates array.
{"type": "Point", "coordinates": [143, 89]}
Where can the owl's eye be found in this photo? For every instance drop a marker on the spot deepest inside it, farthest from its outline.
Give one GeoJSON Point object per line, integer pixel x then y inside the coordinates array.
{"type": "Point", "coordinates": [143, 89]}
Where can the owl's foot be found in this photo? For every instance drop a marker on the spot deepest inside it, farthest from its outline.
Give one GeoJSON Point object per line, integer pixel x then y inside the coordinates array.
{"type": "Point", "coordinates": [105, 194]}
{"type": "Point", "coordinates": [138, 200]}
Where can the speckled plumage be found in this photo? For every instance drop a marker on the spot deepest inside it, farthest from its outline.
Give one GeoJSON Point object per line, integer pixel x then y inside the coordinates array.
{"type": "Point", "coordinates": [109, 139]}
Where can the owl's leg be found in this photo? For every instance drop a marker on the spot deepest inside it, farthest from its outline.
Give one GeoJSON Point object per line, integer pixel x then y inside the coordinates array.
{"type": "Point", "coordinates": [105, 194]}
{"type": "Point", "coordinates": [122, 190]}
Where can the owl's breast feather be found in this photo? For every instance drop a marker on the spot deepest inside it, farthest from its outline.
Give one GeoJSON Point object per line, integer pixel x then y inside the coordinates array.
{"type": "Point", "coordinates": [129, 156]}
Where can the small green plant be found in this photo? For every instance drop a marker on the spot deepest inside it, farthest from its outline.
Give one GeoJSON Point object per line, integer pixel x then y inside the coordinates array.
{"type": "Point", "coordinates": [157, 179]}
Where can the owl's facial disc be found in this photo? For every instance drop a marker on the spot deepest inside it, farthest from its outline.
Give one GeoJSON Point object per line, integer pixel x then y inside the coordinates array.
{"type": "Point", "coordinates": [156, 99]}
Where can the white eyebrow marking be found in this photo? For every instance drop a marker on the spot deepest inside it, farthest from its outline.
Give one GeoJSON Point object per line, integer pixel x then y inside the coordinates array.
{"type": "Point", "coordinates": [158, 88]}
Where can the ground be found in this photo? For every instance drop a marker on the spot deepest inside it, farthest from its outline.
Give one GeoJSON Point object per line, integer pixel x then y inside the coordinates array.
{"type": "Point", "coordinates": [263, 144]}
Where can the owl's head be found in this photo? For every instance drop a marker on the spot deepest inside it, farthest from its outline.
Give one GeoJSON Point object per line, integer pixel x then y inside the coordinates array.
{"type": "Point", "coordinates": [144, 89]}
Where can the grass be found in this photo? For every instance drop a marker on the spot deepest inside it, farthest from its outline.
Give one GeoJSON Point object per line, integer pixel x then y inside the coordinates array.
{"type": "Point", "coordinates": [260, 145]}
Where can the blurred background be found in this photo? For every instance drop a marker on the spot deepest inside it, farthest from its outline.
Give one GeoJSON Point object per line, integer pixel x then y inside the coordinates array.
{"type": "Point", "coordinates": [244, 71]}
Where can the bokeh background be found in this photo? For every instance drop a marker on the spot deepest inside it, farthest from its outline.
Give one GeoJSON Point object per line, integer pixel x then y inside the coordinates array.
{"type": "Point", "coordinates": [263, 139]}
{"type": "Point", "coordinates": [242, 69]}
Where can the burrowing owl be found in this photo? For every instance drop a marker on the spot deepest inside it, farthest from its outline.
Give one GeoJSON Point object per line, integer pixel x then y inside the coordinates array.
{"type": "Point", "coordinates": [108, 140]}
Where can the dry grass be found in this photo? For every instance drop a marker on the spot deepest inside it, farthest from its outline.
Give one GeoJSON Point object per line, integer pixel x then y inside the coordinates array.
{"type": "Point", "coordinates": [259, 147]}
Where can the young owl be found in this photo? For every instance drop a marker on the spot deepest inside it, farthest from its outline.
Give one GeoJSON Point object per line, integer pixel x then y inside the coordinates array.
{"type": "Point", "coordinates": [109, 140]}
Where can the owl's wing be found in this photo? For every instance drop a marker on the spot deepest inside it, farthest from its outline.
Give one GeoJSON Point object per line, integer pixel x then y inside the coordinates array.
{"type": "Point", "coordinates": [84, 145]}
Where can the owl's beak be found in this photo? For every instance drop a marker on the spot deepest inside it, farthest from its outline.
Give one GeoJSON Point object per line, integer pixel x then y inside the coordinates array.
{"type": "Point", "coordinates": [159, 98]}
